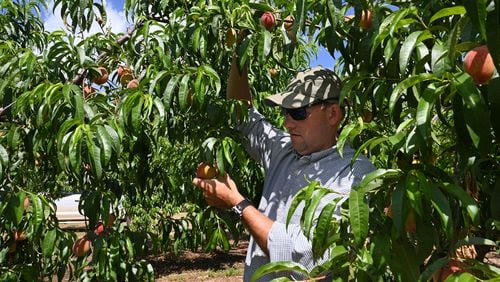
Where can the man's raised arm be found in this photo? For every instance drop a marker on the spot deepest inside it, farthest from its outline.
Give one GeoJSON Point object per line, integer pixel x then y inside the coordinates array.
{"type": "Point", "coordinates": [237, 83]}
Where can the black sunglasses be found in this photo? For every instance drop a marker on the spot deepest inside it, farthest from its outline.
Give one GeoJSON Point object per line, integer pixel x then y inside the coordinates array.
{"type": "Point", "coordinates": [296, 114]}
{"type": "Point", "coordinates": [301, 113]}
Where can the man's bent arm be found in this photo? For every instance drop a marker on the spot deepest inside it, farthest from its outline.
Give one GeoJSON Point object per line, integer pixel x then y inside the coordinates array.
{"type": "Point", "coordinates": [237, 83]}
{"type": "Point", "coordinates": [258, 225]}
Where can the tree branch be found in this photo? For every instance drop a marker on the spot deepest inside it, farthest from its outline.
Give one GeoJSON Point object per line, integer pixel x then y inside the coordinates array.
{"type": "Point", "coordinates": [78, 79]}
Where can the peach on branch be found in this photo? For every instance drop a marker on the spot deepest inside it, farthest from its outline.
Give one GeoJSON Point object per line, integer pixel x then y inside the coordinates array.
{"type": "Point", "coordinates": [20, 235]}
{"type": "Point", "coordinates": [206, 171]}
{"type": "Point", "coordinates": [478, 63]}
{"type": "Point", "coordinates": [133, 84]}
{"type": "Point", "coordinates": [81, 246]}
{"type": "Point", "coordinates": [103, 78]}
{"type": "Point", "coordinates": [273, 72]}
{"type": "Point", "coordinates": [268, 21]}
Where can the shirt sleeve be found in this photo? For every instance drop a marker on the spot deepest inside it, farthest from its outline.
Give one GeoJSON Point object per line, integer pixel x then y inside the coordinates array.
{"type": "Point", "coordinates": [290, 244]}
{"type": "Point", "coordinates": [263, 139]}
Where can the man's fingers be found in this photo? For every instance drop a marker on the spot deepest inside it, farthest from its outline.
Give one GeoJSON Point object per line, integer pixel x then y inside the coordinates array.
{"type": "Point", "coordinates": [205, 184]}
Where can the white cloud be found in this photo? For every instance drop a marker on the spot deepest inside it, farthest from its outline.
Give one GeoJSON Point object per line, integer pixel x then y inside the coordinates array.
{"type": "Point", "coordinates": [116, 20]}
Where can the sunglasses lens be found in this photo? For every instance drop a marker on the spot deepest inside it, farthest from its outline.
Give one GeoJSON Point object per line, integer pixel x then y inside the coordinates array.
{"type": "Point", "coordinates": [296, 114]}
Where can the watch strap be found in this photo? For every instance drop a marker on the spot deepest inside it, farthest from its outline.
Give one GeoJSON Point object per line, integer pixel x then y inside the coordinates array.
{"type": "Point", "coordinates": [238, 208]}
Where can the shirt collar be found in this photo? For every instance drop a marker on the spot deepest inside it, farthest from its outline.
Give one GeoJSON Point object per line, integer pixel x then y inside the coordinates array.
{"type": "Point", "coordinates": [316, 155]}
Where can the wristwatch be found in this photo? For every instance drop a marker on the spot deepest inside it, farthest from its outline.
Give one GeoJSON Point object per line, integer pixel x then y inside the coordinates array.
{"type": "Point", "coordinates": [238, 209]}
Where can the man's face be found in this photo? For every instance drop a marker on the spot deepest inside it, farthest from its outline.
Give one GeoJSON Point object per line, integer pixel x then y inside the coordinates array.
{"type": "Point", "coordinates": [317, 131]}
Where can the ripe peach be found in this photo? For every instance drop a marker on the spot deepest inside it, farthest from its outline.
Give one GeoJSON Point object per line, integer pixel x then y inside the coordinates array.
{"type": "Point", "coordinates": [103, 78]}
{"type": "Point", "coordinates": [20, 235]}
{"type": "Point", "coordinates": [268, 20]}
{"type": "Point", "coordinates": [81, 246]}
{"type": "Point", "coordinates": [366, 19]}
{"type": "Point", "coordinates": [123, 70]}
{"type": "Point", "coordinates": [87, 91]}
{"type": "Point", "coordinates": [206, 171]}
{"type": "Point", "coordinates": [367, 116]}
{"type": "Point", "coordinates": [99, 228]}
{"type": "Point", "coordinates": [454, 265]}
{"type": "Point", "coordinates": [273, 72]}
{"type": "Point", "coordinates": [410, 223]}
{"type": "Point", "coordinates": [134, 83]}
{"type": "Point", "coordinates": [478, 63]}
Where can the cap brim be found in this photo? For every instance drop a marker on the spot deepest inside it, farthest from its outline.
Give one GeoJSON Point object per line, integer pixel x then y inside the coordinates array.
{"type": "Point", "coordinates": [288, 100]}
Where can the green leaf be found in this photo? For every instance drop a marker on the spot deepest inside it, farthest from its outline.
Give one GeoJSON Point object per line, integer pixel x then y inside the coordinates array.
{"type": "Point", "coordinates": [407, 83]}
{"type": "Point", "coordinates": [310, 210]}
{"type": "Point", "coordinates": [440, 61]}
{"type": "Point", "coordinates": [106, 144]}
{"type": "Point", "coordinates": [301, 12]}
{"type": "Point", "coordinates": [405, 258]}
{"type": "Point", "coordinates": [215, 79]}
{"type": "Point", "coordinates": [184, 91]}
{"type": "Point", "coordinates": [398, 206]}
{"type": "Point", "coordinates": [424, 109]}
{"type": "Point", "coordinates": [159, 77]}
{"type": "Point", "coordinates": [349, 84]}
{"type": "Point", "coordinates": [4, 160]}
{"type": "Point", "coordinates": [15, 209]}
{"type": "Point", "coordinates": [493, 32]}
{"type": "Point", "coordinates": [454, 38]}
{"type": "Point", "coordinates": [220, 160]}
{"type": "Point", "coordinates": [390, 25]}
{"type": "Point", "coordinates": [373, 179]}
{"type": "Point", "coordinates": [476, 10]}
{"type": "Point", "coordinates": [226, 146]}
{"type": "Point", "coordinates": [264, 46]}
{"type": "Point", "coordinates": [465, 199]}
{"type": "Point", "coordinates": [324, 231]}
{"type": "Point", "coordinates": [303, 195]}
{"type": "Point", "coordinates": [494, 104]}
{"type": "Point", "coordinates": [95, 157]}
{"type": "Point", "coordinates": [475, 113]}
{"type": "Point", "coordinates": [48, 243]}
{"type": "Point", "coordinates": [358, 215]}
{"type": "Point", "coordinates": [37, 210]}
{"type": "Point", "coordinates": [442, 206]}
{"type": "Point", "coordinates": [277, 266]}
{"type": "Point", "coordinates": [408, 45]}
{"type": "Point", "coordinates": [169, 91]}
{"type": "Point", "coordinates": [446, 12]}
{"type": "Point", "coordinates": [391, 45]}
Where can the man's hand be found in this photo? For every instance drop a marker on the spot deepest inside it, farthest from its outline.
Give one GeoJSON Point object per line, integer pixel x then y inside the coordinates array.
{"type": "Point", "coordinates": [220, 192]}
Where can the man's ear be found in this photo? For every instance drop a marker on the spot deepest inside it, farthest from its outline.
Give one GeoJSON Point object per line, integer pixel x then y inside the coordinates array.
{"type": "Point", "coordinates": [335, 114]}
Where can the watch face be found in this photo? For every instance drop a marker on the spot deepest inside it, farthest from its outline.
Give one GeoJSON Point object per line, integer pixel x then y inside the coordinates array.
{"type": "Point", "coordinates": [238, 209]}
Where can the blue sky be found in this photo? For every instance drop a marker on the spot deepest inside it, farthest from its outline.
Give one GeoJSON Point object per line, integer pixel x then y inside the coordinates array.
{"type": "Point", "coordinates": [115, 13]}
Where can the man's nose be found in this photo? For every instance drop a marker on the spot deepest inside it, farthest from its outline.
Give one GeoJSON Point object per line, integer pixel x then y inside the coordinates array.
{"type": "Point", "coordinates": [289, 122]}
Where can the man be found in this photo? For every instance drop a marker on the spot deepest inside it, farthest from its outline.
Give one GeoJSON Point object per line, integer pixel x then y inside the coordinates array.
{"type": "Point", "coordinates": [306, 152]}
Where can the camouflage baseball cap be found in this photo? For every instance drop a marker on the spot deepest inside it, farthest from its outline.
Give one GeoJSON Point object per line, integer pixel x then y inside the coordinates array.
{"type": "Point", "coordinates": [309, 86]}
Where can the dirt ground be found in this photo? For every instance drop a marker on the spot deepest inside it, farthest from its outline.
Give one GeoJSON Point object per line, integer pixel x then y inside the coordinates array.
{"type": "Point", "coordinates": [198, 266]}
